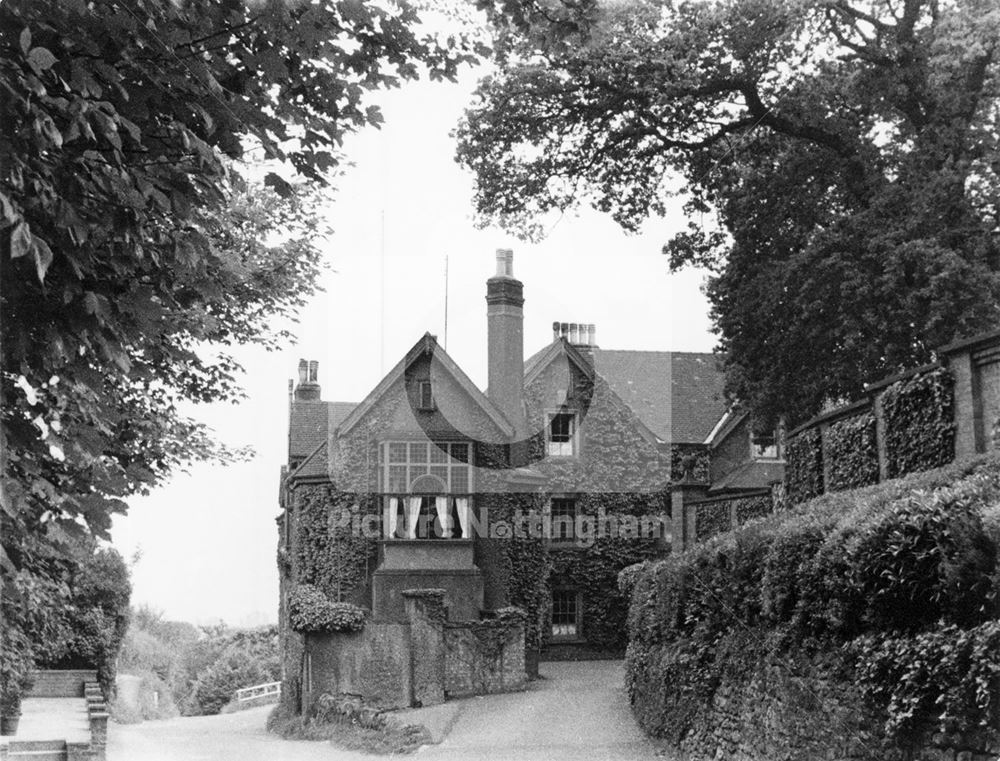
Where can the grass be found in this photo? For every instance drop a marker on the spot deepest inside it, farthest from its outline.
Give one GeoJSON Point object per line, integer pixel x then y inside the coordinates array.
{"type": "Point", "coordinates": [392, 739]}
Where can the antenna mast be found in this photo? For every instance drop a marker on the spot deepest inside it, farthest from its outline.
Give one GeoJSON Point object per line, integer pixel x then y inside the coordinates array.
{"type": "Point", "coordinates": [446, 302]}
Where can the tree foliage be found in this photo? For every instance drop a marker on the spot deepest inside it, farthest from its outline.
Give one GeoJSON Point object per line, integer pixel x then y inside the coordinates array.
{"type": "Point", "coordinates": [132, 244]}
{"type": "Point", "coordinates": [838, 160]}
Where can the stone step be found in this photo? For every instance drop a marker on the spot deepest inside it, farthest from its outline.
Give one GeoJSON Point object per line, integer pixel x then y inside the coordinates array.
{"type": "Point", "coordinates": [37, 750]}
{"type": "Point", "coordinates": [38, 755]}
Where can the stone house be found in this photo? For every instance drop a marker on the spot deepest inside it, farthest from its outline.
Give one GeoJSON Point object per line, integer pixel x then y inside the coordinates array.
{"type": "Point", "coordinates": [573, 464]}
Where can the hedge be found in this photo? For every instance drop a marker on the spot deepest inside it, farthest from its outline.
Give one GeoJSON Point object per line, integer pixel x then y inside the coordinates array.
{"type": "Point", "coordinates": [874, 576]}
{"type": "Point", "coordinates": [852, 447]}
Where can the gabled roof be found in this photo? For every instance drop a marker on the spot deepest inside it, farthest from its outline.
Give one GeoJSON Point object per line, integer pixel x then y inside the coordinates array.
{"type": "Point", "coordinates": [316, 464]}
{"type": "Point", "coordinates": [311, 421]}
{"type": "Point", "coordinates": [755, 474]}
{"type": "Point", "coordinates": [676, 395]}
{"type": "Point", "coordinates": [428, 345]}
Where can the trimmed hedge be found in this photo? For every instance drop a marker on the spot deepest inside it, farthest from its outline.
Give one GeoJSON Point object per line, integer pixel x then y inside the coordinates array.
{"type": "Point", "coordinates": [804, 466]}
{"type": "Point", "coordinates": [852, 446]}
{"type": "Point", "coordinates": [919, 422]}
{"type": "Point", "coordinates": [867, 577]}
{"type": "Point", "coordinates": [309, 610]}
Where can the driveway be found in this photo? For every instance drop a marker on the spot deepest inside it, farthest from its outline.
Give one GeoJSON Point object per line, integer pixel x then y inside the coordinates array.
{"type": "Point", "coordinates": [576, 711]}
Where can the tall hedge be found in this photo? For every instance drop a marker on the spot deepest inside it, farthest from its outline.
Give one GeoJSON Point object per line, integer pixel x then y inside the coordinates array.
{"type": "Point", "coordinates": [852, 449]}
{"type": "Point", "coordinates": [919, 422]}
{"type": "Point", "coordinates": [878, 580]}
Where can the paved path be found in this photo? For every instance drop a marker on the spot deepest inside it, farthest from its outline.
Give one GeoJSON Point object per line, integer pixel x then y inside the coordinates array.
{"type": "Point", "coordinates": [54, 719]}
{"type": "Point", "coordinates": [577, 711]}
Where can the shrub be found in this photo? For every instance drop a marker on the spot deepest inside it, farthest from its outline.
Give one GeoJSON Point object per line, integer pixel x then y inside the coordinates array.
{"type": "Point", "coordinates": [946, 679]}
{"type": "Point", "coordinates": [309, 610]}
{"type": "Point", "coordinates": [879, 572]}
{"type": "Point", "coordinates": [234, 670]}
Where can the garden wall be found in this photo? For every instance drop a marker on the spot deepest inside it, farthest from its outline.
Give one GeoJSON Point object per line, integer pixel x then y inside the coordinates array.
{"type": "Point", "coordinates": [418, 663]}
{"type": "Point", "coordinates": [905, 423]}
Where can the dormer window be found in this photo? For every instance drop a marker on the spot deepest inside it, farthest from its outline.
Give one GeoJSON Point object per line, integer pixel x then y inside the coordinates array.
{"type": "Point", "coordinates": [426, 396]}
{"type": "Point", "coordinates": [561, 434]}
{"type": "Point", "coordinates": [765, 446]}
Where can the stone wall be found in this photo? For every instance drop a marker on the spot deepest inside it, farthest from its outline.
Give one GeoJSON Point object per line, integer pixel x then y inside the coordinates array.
{"type": "Point", "coordinates": [373, 663]}
{"type": "Point", "coordinates": [418, 663]}
{"type": "Point", "coordinates": [804, 709]}
{"type": "Point", "coordinates": [483, 658]}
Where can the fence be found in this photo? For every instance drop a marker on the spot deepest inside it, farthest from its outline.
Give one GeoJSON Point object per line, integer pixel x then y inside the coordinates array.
{"type": "Point", "coordinates": [912, 421]}
{"type": "Point", "coordinates": [259, 694]}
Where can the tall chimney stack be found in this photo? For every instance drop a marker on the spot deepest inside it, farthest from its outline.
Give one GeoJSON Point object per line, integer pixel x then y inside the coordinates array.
{"type": "Point", "coordinates": [308, 389]}
{"type": "Point", "coordinates": [505, 329]}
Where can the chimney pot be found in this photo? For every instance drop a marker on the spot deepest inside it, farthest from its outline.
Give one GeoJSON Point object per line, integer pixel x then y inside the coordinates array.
{"type": "Point", "coordinates": [555, 331]}
{"type": "Point", "coordinates": [303, 371]}
{"type": "Point", "coordinates": [564, 330]}
{"type": "Point", "coordinates": [314, 372]}
{"type": "Point", "coordinates": [505, 262]}
{"type": "Point", "coordinates": [592, 335]}
{"type": "Point", "coordinates": [574, 333]}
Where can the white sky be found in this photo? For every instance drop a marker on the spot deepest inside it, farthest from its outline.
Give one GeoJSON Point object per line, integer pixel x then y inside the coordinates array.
{"type": "Point", "coordinates": [208, 539]}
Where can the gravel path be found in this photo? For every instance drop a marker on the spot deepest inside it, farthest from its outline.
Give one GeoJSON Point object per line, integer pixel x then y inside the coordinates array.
{"type": "Point", "coordinates": [577, 711]}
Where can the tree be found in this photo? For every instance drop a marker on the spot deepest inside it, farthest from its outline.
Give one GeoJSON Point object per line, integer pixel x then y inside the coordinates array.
{"type": "Point", "coordinates": [846, 151]}
{"type": "Point", "coordinates": [131, 243]}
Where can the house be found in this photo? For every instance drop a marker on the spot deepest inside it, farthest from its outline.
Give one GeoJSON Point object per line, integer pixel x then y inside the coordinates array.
{"type": "Point", "coordinates": [534, 493]}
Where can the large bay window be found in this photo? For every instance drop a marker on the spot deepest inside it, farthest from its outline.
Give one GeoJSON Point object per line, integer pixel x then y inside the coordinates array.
{"type": "Point", "coordinates": [426, 487]}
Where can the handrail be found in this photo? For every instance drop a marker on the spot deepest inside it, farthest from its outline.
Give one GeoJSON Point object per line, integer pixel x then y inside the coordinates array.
{"type": "Point", "coordinates": [268, 689]}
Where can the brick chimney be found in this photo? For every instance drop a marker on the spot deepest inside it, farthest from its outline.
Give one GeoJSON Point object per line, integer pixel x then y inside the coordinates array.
{"type": "Point", "coordinates": [581, 335]}
{"type": "Point", "coordinates": [308, 389]}
{"type": "Point", "coordinates": [505, 328]}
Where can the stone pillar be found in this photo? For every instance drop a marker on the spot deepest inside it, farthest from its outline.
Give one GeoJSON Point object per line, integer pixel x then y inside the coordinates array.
{"type": "Point", "coordinates": [98, 734]}
{"type": "Point", "coordinates": [426, 613]}
{"type": "Point", "coordinates": [677, 539]}
{"type": "Point", "coordinates": [963, 372]}
{"type": "Point", "coordinates": [79, 752]}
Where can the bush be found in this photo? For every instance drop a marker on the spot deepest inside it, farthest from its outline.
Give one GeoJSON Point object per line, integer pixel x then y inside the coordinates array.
{"type": "Point", "coordinates": [309, 610]}
{"type": "Point", "coordinates": [886, 567]}
{"type": "Point", "coordinates": [233, 671]}
{"type": "Point", "coordinates": [946, 679]}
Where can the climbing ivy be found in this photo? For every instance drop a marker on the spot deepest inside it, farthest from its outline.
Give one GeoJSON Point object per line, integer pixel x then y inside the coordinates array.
{"type": "Point", "coordinates": [804, 466]}
{"type": "Point", "coordinates": [309, 610]}
{"type": "Point", "coordinates": [331, 556]}
{"type": "Point", "coordinates": [919, 422]}
{"type": "Point", "coordinates": [852, 449]}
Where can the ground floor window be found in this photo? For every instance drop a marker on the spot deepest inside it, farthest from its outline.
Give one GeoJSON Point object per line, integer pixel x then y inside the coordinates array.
{"type": "Point", "coordinates": [566, 608]}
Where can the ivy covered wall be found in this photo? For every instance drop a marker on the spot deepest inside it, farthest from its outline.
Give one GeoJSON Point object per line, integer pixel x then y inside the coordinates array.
{"type": "Point", "coordinates": [917, 433]}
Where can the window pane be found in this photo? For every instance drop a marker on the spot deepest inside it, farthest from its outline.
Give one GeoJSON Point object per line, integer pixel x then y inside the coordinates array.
{"type": "Point", "coordinates": [418, 453]}
{"type": "Point", "coordinates": [565, 613]}
{"type": "Point", "coordinates": [397, 453]}
{"type": "Point", "coordinates": [460, 452]}
{"type": "Point", "coordinates": [561, 427]}
{"type": "Point", "coordinates": [439, 452]}
{"type": "Point", "coordinates": [397, 478]}
{"type": "Point", "coordinates": [563, 518]}
{"type": "Point", "coordinates": [441, 471]}
{"type": "Point", "coordinates": [460, 479]}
